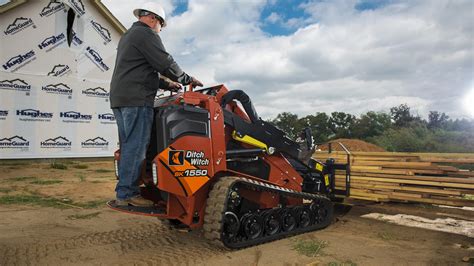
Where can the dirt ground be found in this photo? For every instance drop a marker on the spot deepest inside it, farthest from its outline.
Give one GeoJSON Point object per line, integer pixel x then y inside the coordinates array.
{"type": "Point", "coordinates": [51, 216]}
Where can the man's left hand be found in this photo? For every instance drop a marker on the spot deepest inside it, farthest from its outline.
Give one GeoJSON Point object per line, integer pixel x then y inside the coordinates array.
{"type": "Point", "coordinates": [174, 86]}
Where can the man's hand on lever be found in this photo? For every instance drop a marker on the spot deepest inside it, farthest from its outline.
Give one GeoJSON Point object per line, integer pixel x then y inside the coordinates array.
{"type": "Point", "coordinates": [196, 83]}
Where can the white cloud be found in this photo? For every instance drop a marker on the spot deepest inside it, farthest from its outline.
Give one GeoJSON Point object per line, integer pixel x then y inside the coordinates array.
{"type": "Point", "coordinates": [339, 59]}
{"type": "Point", "coordinates": [273, 18]}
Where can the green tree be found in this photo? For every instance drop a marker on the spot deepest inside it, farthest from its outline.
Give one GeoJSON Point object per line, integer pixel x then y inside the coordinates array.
{"type": "Point", "coordinates": [437, 120]}
{"type": "Point", "coordinates": [341, 124]}
{"type": "Point", "coordinates": [401, 115]}
{"type": "Point", "coordinates": [371, 124]}
{"type": "Point", "coordinates": [289, 123]}
{"type": "Point", "coordinates": [320, 126]}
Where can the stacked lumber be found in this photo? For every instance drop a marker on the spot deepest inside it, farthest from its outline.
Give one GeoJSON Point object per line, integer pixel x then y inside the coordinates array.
{"type": "Point", "coordinates": [408, 177]}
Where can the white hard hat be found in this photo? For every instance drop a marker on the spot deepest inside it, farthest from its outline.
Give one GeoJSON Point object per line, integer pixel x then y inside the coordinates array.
{"type": "Point", "coordinates": [153, 8]}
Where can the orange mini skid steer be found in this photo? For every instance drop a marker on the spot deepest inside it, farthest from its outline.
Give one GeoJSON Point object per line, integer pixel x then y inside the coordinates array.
{"type": "Point", "coordinates": [213, 163]}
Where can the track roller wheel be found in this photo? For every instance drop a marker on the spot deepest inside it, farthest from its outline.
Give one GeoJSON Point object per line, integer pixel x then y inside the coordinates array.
{"type": "Point", "coordinates": [322, 211]}
{"type": "Point", "coordinates": [271, 221]}
{"type": "Point", "coordinates": [288, 220]}
{"type": "Point", "coordinates": [303, 215]}
{"type": "Point", "coordinates": [252, 225]}
{"type": "Point", "coordinates": [231, 226]}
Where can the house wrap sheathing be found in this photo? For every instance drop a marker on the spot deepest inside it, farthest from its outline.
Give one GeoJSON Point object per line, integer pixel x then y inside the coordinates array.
{"type": "Point", "coordinates": [54, 96]}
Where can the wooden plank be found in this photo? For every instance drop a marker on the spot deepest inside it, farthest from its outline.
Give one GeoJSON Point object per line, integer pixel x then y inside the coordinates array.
{"type": "Point", "coordinates": [402, 154]}
{"type": "Point", "coordinates": [447, 160]}
{"type": "Point", "coordinates": [423, 178]}
{"type": "Point", "coordinates": [416, 182]}
{"type": "Point", "coordinates": [408, 188]}
{"type": "Point", "coordinates": [420, 165]}
{"type": "Point", "coordinates": [384, 171]}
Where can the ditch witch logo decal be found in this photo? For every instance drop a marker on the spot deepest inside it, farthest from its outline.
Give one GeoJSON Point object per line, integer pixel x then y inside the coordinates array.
{"type": "Point", "coordinates": [106, 118]}
{"type": "Point", "coordinates": [19, 61]}
{"type": "Point", "coordinates": [96, 59]}
{"type": "Point", "coordinates": [78, 7]}
{"type": "Point", "coordinates": [15, 142]}
{"type": "Point", "coordinates": [175, 157]}
{"type": "Point", "coordinates": [196, 158]}
{"type": "Point", "coordinates": [18, 25]}
{"type": "Point", "coordinates": [59, 88]}
{"type": "Point", "coordinates": [103, 32]}
{"type": "Point", "coordinates": [75, 117]}
{"type": "Point", "coordinates": [97, 142]}
{"type": "Point", "coordinates": [52, 42]}
{"type": "Point", "coordinates": [15, 84]}
{"type": "Point", "coordinates": [3, 114]}
{"type": "Point", "coordinates": [33, 115]}
{"type": "Point", "coordinates": [58, 142]}
{"type": "Point", "coordinates": [59, 70]}
{"type": "Point", "coordinates": [52, 7]}
{"type": "Point", "coordinates": [96, 92]}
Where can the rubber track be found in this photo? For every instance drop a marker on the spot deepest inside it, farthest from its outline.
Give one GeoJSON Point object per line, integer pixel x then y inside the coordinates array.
{"type": "Point", "coordinates": [217, 205]}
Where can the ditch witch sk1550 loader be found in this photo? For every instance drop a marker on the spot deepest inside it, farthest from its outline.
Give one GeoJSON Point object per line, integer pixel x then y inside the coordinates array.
{"type": "Point", "coordinates": [216, 165]}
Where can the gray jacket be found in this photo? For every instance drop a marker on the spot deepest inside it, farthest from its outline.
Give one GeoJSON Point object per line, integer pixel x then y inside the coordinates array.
{"type": "Point", "coordinates": [141, 57]}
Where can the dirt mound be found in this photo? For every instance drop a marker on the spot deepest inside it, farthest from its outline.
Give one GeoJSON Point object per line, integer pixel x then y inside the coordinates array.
{"type": "Point", "coordinates": [351, 145]}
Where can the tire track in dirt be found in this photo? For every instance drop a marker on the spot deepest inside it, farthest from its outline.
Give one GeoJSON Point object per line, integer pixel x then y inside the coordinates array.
{"type": "Point", "coordinates": [145, 244]}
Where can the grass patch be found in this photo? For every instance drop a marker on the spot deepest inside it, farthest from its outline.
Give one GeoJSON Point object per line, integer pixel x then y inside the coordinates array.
{"type": "Point", "coordinates": [83, 216]}
{"type": "Point", "coordinates": [310, 247]}
{"type": "Point", "coordinates": [386, 236]}
{"type": "Point", "coordinates": [345, 263]}
{"type": "Point", "coordinates": [46, 182]}
{"type": "Point", "coordinates": [82, 178]}
{"type": "Point", "coordinates": [468, 197]}
{"type": "Point", "coordinates": [31, 200]}
{"type": "Point", "coordinates": [103, 171]}
{"type": "Point", "coordinates": [90, 204]}
{"type": "Point", "coordinates": [5, 190]}
{"type": "Point", "coordinates": [80, 166]}
{"type": "Point", "coordinates": [97, 182]}
{"type": "Point", "coordinates": [59, 166]}
{"type": "Point", "coordinates": [43, 201]}
{"type": "Point", "coordinates": [23, 178]}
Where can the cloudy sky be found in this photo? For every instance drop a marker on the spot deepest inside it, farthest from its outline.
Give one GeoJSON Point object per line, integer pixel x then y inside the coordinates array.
{"type": "Point", "coordinates": [313, 56]}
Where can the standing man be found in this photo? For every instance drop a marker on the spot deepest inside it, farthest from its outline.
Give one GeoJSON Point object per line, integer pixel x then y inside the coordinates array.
{"type": "Point", "coordinates": [141, 58]}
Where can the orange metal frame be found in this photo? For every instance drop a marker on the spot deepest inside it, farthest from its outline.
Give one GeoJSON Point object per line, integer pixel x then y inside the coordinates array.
{"type": "Point", "coordinates": [187, 195]}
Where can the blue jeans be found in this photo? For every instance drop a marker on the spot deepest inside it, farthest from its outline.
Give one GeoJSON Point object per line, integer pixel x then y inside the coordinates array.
{"type": "Point", "coordinates": [134, 128]}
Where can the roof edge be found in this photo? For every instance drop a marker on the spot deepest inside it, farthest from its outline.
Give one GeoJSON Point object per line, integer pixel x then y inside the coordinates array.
{"type": "Point", "coordinates": [108, 15]}
{"type": "Point", "coordinates": [11, 5]}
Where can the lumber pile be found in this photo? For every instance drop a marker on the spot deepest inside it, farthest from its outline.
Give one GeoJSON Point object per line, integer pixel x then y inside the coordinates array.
{"type": "Point", "coordinates": [409, 177]}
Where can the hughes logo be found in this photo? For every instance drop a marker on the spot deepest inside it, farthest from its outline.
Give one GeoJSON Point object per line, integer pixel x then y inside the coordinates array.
{"type": "Point", "coordinates": [96, 59]}
{"type": "Point", "coordinates": [103, 32]}
{"type": "Point", "coordinates": [59, 70]}
{"type": "Point", "coordinates": [14, 142]}
{"type": "Point", "coordinates": [19, 60]}
{"type": "Point", "coordinates": [18, 25]}
{"type": "Point", "coordinates": [52, 7]}
{"type": "Point", "coordinates": [59, 88]}
{"type": "Point", "coordinates": [75, 39]}
{"type": "Point", "coordinates": [52, 41]}
{"type": "Point", "coordinates": [58, 142]}
{"type": "Point", "coordinates": [96, 92]}
{"type": "Point", "coordinates": [71, 115]}
{"type": "Point", "coordinates": [78, 6]}
{"type": "Point", "coordinates": [33, 113]}
{"type": "Point", "coordinates": [15, 84]}
{"type": "Point", "coordinates": [106, 116]}
{"type": "Point", "coordinates": [97, 142]}
{"type": "Point", "coordinates": [3, 114]}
